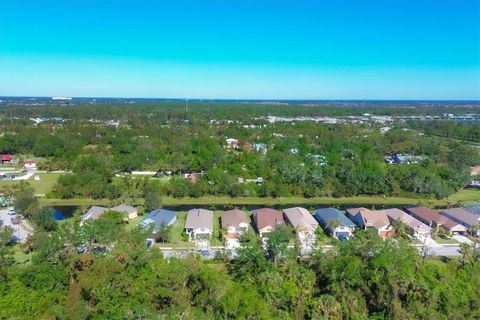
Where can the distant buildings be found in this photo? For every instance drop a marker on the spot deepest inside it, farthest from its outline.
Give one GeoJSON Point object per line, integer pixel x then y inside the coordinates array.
{"type": "Point", "coordinates": [407, 158]}
{"type": "Point", "coordinates": [232, 144]}
{"type": "Point", "coordinates": [4, 158]}
{"type": "Point", "coordinates": [260, 147]}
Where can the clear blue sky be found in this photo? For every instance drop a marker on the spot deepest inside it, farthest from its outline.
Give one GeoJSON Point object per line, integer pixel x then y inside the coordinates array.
{"type": "Point", "coordinates": [345, 49]}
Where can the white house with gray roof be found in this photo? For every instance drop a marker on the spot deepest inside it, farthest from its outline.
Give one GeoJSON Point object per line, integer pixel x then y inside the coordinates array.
{"type": "Point", "coordinates": [94, 213]}
{"type": "Point", "coordinates": [199, 224]}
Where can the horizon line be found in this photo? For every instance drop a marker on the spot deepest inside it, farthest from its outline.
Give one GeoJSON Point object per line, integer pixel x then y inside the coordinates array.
{"type": "Point", "coordinates": [244, 99]}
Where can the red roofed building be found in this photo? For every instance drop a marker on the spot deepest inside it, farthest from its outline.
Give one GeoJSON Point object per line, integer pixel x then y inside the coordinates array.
{"type": "Point", "coordinates": [30, 165]}
{"type": "Point", "coordinates": [6, 158]}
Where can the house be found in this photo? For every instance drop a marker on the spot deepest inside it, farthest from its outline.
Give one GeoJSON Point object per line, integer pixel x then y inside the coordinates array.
{"type": "Point", "coordinates": [305, 226]}
{"type": "Point", "coordinates": [389, 160]}
{"type": "Point", "coordinates": [232, 144]}
{"type": "Point", "coordinates": [301, 220]}
{"type": "Point", "coordinates": [130, 211]}
{"type": "Point", "coordinates": [30, 165]}
{"type": "Point", "coordinates": [335, 222]}
{"type": "Point", "coordinates": [475, 171]}
{"type": "Point", "coordinates": [193, 176]}
{"type": "Point", "coordinates": [415, 227]}
{"type": "Point", "coordinates": [266, 220]}
{"type": "Point", "coordinates": [234, 222]}
{"type": "Point", "coordinates": [368, 219]}
{"type": "Point", "coordinates": [473, 208]}
{"type": "Point", "coordinates": [159, 217]}
{"type": "Point", "coordinates": [407, 158]}
{"type": "Point", "coordinates": [94, 213]}
{"type": "Point", "coordinates": [465, 218]}
{"type": "Point", "coordinates": [5, 158]}
{"type": "Point", "coordinates": [199, 224]}
{"type": "Point", "coordinates": [260, 147]}
{"type": "Point", "coordinates": [434, 219]}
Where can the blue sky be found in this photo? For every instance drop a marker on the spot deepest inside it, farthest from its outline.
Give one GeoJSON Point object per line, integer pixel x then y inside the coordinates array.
{"type": "Point", "coordinates": [345, 49]}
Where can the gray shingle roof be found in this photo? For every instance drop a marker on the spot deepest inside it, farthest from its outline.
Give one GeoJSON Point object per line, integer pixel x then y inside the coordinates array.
{"type": "Point", "coordinates": [462, 215]}
{"type": "Point", "coordinates": [94, 212]}
{"type": "Point", "coordinates": [199, 218]}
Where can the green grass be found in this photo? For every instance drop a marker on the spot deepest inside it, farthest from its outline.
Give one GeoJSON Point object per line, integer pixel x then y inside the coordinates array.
{"type": "Point", "coordinates": [20, 256]}
{"type": "Point", "coordinates": [465, 197]}
{"type": "Point", "coordinates": [46, 183]}
{"type": "Point", "coordinates": [445, 240]}
{"type": "Point", "coordinates": [44, 186]}
{"type": "Point", "coordinates": [74, 202]}
{"type": "Point", "coordinates": [461, 197]}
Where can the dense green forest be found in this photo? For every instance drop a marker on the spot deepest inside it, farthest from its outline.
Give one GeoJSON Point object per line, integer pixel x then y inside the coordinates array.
{"type": "Point", "coordinates": [102, 271]}
{"type": "Point", "coordinates": [150, 138]}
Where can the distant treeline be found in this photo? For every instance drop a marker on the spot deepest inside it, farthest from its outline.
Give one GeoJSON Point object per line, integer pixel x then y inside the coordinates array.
{"type": "Point", "coordinates": [223, 110]}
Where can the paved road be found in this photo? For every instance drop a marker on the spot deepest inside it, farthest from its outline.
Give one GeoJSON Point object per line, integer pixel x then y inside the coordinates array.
{"type": "Point", "coordinates": [445, 251]}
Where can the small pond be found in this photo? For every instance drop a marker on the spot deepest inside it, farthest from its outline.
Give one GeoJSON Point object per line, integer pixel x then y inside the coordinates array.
{"type": "Point", "coordinates": [63, 212]}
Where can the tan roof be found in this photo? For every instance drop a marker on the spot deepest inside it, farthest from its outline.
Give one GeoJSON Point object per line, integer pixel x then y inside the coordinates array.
{"type": "Point", "coordinates": [233, 218]}
{"type": "Point", "coordinates": [475, 171]}
{"type": "Point", "coordinates": [124, 208]}
{"type": "Point", "coordinates": [265, 217]}
{"type": "Point", "coordinates": [300, 218]}
{"type": "Point", "coordinates": [408, 220]}
{"type": "Point", "coordinates": [377, 219]}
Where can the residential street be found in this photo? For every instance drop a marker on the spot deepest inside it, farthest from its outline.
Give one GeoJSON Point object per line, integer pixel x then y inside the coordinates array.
{"type": "Point", "coordinates": [437, 250]}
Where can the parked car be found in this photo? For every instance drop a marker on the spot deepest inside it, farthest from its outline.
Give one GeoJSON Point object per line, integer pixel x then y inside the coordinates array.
{"type": "Point", "coordinates": [11, 211]}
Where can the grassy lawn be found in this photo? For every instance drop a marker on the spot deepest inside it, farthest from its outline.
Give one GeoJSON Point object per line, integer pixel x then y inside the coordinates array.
{"type": "Point", "coordinates": [44, 186]}
{"type": "Point", "coordinates": [46, 183]}
{"type": "Point", "coordinates": [74, 202]}
{"type": "Point", "coordinates": [462, 197]}
{"type": "Point", "coordinates": [445, 240]}
{"type": "Point", "coordinates": [465, 197]}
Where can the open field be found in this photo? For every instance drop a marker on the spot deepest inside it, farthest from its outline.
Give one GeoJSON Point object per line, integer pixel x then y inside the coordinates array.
{"type": "Point", "coordinates": [42, 187]}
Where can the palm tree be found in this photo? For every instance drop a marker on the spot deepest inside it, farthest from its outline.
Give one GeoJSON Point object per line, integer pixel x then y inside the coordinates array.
{"type": "Point", "coordinates": [333, 224]}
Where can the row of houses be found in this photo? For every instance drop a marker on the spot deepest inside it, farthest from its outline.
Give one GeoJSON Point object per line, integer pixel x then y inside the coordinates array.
{"type": "Point", "coordinates": [419, 221]}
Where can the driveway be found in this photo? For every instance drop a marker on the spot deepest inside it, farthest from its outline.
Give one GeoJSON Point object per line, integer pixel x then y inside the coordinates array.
{"type": "Point", "coordinates": [429, 242]}
{"type": "Point", "coordinates": [21, 231]}
{"type": "Point", "coordinates": [462, 239]}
